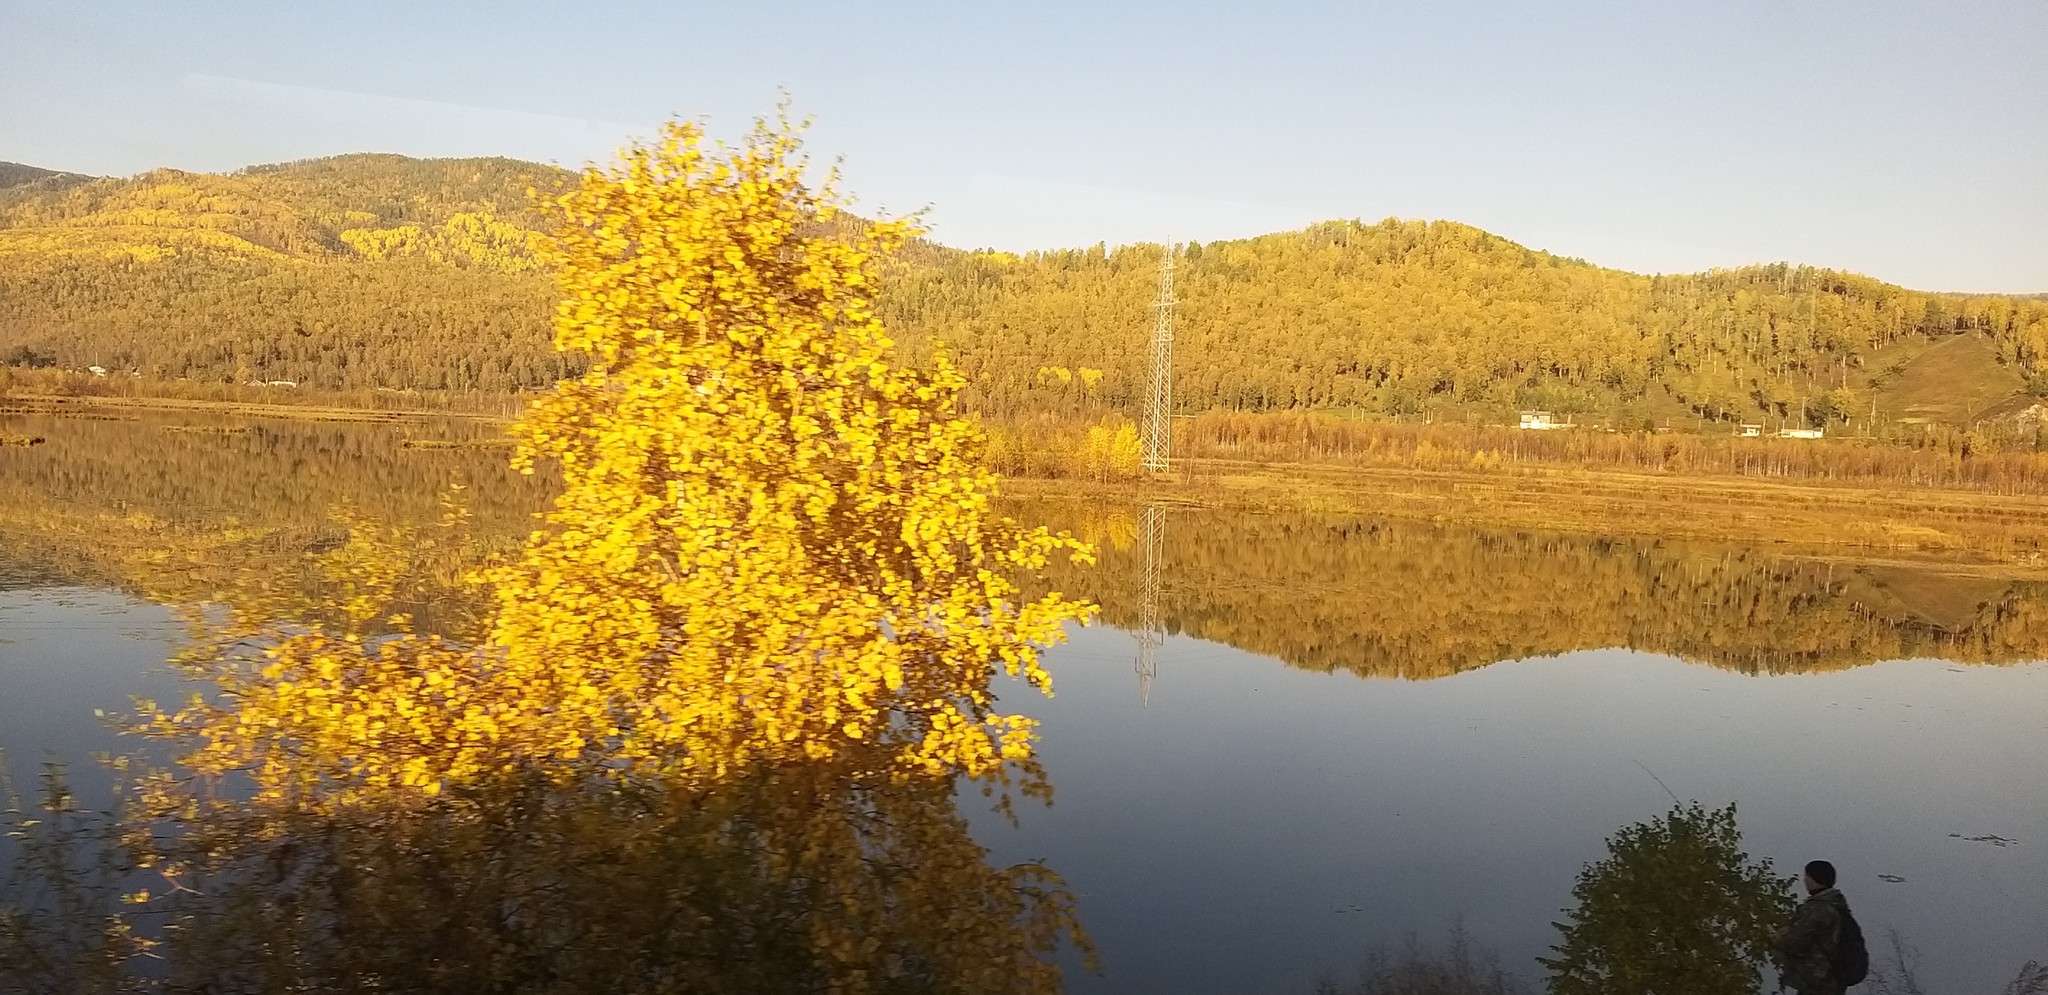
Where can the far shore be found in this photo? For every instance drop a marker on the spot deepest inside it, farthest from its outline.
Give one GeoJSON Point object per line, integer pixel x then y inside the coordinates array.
{"type": "Point", "coordinates": [1964, 529]}
{"type": "Point", "coordinates": [90, 404]}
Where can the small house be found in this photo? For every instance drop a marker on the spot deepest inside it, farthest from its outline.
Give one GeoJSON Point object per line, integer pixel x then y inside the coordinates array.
{"type": "Point", "coordinates": [98, 371]}
{"type": "Point", "coordinates": [1750, 431]}
{"type": "Point", "coordinates": [1541, 421]}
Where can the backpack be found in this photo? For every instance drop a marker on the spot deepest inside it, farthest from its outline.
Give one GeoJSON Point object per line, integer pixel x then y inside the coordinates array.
{"type": "Point", "coordinates": [1852, 957]}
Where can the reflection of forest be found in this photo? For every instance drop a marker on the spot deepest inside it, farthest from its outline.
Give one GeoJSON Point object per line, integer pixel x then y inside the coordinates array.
{"type": "Point", "coordinates": [202, 508]}
{"type": "Point", "coordinates": [1389, 598]}
{"type": "Point", "coordinates": [225, 508]}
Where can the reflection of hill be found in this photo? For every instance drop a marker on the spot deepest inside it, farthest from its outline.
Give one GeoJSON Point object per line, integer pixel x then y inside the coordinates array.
{"type": "Point", "coordinates": [1941, 601]}
{"type": "Point", "coordinates": [226, 508]}
{"type": "Point", "coordinates": [1406, 599]}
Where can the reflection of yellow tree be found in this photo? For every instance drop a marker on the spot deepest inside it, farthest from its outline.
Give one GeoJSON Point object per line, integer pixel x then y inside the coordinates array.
{"type": "Point", "coordinates": [799, 877]}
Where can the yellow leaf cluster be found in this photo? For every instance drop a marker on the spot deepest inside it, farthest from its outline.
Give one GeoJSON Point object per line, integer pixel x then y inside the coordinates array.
{"type": "Point", "coordinates": [127, 243]}
{"type": "Point", "coordinates": [467, 239]}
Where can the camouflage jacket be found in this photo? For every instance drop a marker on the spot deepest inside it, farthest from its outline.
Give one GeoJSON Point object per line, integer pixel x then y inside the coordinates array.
{"type": "Point", "coordinates": [1806, 948]}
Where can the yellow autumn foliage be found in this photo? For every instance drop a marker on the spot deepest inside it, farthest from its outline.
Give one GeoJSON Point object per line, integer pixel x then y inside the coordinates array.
{"type": "Point", "coordinates": [773, 543]}
{"type": "Point", "coordinates": [466, 239]}
{"type": "Point", "coordinates": [137, 243]}
{"type": "Point", "coordinates": [1108, 449]}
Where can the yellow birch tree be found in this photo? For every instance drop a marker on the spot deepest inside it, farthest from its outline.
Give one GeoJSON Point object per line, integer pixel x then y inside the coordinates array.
{"type": "Point", "coordinates": [773, 543]}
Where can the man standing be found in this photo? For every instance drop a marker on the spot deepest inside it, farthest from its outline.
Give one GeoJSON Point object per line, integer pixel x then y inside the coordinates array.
{"type": "Point", "coordinates": [1808, 946]}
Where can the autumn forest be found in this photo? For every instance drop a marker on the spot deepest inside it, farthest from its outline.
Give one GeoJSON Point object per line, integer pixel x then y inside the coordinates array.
{"type": "Point", "coordinates": [381, 272]}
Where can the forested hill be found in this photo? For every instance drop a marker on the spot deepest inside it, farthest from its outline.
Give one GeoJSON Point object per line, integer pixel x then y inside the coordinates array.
{"type": "Point", "coordinates": [1403, 316]}
{"type": "Point", "coordinates": [377, 270]}
{"type": "Point", "coordinates": [13, 174]}
{"type": "Point", "coordinates": [354, 271]}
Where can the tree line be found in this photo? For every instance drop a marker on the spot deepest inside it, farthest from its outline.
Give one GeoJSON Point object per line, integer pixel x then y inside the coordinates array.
{"type": "Point", "coordinates": [2005, 458]}
{"type": "Point", "coordinates": [2008, 458]}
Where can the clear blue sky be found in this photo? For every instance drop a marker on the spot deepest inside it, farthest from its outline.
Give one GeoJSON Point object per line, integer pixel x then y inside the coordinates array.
{"type": "Point", "coordinates": [1904, 140]}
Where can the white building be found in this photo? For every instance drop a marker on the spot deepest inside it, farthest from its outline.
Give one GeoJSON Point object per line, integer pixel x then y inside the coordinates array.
{"type": "Point", "coordinates": [1541, 421]}
{"type": "Point", "coordinates": [1801, 433]}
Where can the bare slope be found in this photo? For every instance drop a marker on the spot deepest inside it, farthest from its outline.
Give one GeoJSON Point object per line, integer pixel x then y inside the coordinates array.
{"type": "Point", "coordinates": [1951, 380]}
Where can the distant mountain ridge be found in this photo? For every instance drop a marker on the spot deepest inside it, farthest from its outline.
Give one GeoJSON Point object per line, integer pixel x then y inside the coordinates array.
{"type": "Point", "coordinates": [383, 270]}
{"type": "Point", "coordinates": [351, 271]}
{"type": "Point", "coordinates": [14, 174]}
{"type": "Point", "coordinates": [297, 208]}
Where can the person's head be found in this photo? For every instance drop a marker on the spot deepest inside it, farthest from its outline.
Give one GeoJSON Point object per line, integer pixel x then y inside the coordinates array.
{"type": "Point", "coordinates": [1820, 875]}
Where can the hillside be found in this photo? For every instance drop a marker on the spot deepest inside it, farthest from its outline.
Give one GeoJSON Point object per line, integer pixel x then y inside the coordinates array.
{"type": "Point", "coordinates": [379, 270]}
{"type": "Point", "coordinates": [15, 174]}
{"type": "Point", "coordinates": [1402, 317]}
{"type": "Point", "coordinates": [1946, 380]}
{"type": "Point", "coordinates": [356, 271]}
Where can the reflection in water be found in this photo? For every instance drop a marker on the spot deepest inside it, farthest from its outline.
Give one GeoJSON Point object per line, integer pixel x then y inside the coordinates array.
{"type": "Point", "coordinates": [1675, 908]}
{"type": "Point", "coordinates": [184, 508]}
{"type": "Point", "coordinates": [220, 508]}
{"type": "Point", "coordinates": [1149, 633]}
{"type": "Point", "coordinates": [851, 871]}
{"type": "Point", "coordinates": [278, 857]}
{"type": "Point", "coordinates": [797, 878]}
{"type": "Point", "coordinates": [184, 515]}
{"type": "Point", "coordinates": [1390, 598]}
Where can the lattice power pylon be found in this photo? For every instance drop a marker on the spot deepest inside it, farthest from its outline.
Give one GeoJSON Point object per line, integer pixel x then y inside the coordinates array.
{"type": "Point", "coordinates": [1151, 632]}
{"type": "Point", "coordinates": [1159, 412]}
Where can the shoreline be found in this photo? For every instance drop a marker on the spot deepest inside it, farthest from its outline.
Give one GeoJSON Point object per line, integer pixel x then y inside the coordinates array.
{"type": "Point", "coordinates": [1961, 529]}
{"type": "Point", "coordinates": [85, 405]}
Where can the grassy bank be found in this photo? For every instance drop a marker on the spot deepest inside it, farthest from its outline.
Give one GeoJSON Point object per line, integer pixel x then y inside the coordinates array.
{"type": "Point", "coordinates": [1967, 529]}
{"type": "Point", "coordinates": [103, 406]}
{"type": "Point", "coordinates": [20, 386]}
{"type": "Point", "coordinates": [1846, 498]}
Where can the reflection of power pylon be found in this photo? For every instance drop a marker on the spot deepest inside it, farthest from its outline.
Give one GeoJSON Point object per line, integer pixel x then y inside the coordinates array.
{"type": "Point", "coordinates": [1151, 634]}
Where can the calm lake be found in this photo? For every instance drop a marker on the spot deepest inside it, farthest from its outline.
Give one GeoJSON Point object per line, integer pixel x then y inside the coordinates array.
{"type": "Point", "coordinates": [1291, 740]}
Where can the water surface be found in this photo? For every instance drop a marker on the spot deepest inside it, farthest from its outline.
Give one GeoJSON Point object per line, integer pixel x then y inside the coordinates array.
{"type": "Point", "coordinates": [1294, 738]}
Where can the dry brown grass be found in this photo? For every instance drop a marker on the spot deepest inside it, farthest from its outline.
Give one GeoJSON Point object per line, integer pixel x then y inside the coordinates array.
{"type": "Point", "coordinates": [88, 407]}
{"type": "Point", "coordinates": [1963, 528]}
